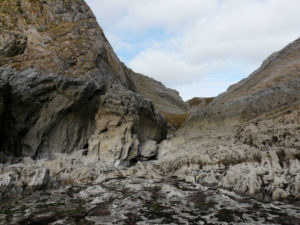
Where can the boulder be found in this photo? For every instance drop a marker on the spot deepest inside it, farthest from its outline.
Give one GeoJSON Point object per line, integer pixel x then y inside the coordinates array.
{"type": "Point", "coordinates": [40, 179]}
{"type": "Point", "coordinates": [148, 150]}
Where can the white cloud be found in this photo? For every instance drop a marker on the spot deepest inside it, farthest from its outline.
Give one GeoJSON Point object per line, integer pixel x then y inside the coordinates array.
{"type": "Point", "coordinates": [206, 89]}
{"type": "Point", "coordinates": [204, 37]}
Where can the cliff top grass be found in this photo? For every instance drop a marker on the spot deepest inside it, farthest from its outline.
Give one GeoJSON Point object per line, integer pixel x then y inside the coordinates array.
{"type": "Point", "coordinates": [176, 121]}
{"type": "Point", "coordinates": [196, 101]}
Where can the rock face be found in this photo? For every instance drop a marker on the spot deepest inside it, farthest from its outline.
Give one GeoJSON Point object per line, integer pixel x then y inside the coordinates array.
{"type": "Point", "coordinates": [54, 36]}
{"type": "Point", "coordinates": [66, 89]}
{"type": "Point", "coordinates": [64, 37]}
{"type": "Point", "coordinates": [12, 44]}
{"type": "Point", "coordinates": [46, 113]}
{"type": "Point", "coordinates": [122, 123]}
{"type": "Point", "coordinates": [62, 87]}
{"type": "Point", "coordinates": [166, 100]}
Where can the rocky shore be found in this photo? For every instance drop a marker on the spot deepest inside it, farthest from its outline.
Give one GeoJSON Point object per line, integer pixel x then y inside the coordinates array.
{"type": "Point", "coordinates": [85, 140]}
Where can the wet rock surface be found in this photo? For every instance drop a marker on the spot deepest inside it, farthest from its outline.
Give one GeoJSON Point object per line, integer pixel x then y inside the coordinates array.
{"type": "Point", "coordinates": [144, 201]}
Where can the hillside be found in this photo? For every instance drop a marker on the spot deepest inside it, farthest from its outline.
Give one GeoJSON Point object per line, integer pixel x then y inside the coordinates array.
{"type": "Point", "coordinates": [275, 84]}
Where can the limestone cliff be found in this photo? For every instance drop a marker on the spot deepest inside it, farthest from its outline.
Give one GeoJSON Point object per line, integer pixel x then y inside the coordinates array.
{"type": "Point", "coordinates": [54, 36]}
{"type": "Point", "coordinates": [64, 37]}
{"type": "Point", "coordinates": [63, 88]}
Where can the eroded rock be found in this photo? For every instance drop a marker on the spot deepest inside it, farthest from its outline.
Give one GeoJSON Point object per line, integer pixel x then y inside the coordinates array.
{"type": "Point", "coordinates": [47, 113]}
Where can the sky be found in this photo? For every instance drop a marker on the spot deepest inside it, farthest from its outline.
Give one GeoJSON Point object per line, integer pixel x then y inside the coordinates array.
{"type": "Point", "coordinates": [198, 47]}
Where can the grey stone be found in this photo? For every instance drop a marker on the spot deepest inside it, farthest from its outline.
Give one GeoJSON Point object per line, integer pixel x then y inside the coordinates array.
{"type": "Point", "coordinates": [148, 150]}
{"type": "Point", "coordinates": [40, 179]}
{"type": "Point", "coordinates": [246, 139]}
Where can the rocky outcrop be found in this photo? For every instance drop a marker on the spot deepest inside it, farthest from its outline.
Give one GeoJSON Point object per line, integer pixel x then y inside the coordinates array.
{"type": "Point", "coordinates": [246, 139]}
{"type": "Point", "coordinates": [220, 160]}
{"type": "Point", "coordinates": [53, 114]}
{"type": "Point", "coordinates": [64, 89]}
{"type": "Point", "coordinates": [123, 122]}
{"type": "Point", "coordinates": [166, 100]}
{"type": "Point", "coordinates": [53, 36]}
{"type": "Point", "coordinates": [64, 37]}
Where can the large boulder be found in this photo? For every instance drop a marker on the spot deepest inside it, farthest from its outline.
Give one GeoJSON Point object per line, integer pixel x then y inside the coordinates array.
{"type": "Point", "coordinates": [148, 150]}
